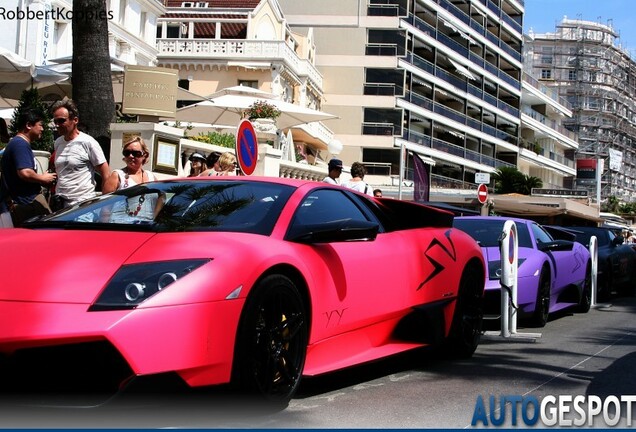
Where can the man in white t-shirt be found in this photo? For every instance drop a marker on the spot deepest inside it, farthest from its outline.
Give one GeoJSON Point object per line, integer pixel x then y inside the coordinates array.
{"type": "Point", "coordinates": [77, 157]}
{"type": "Point", "coordinates": [335, 169]}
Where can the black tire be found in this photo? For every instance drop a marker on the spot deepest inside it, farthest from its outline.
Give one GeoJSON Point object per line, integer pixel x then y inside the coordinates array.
{"type": "Point", "coordinates": [465, 332]}
{"type": "Point", "coordinates": [542, 307]}
{"type": "Point", "coordinates": [586, 293]}
{"type": "Point", "coordinates": [271, 343]}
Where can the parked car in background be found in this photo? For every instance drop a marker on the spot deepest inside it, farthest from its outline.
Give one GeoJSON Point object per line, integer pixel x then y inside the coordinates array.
{"type": "Point", "coordinates": [554, 270]}
{"type": "Point", "coordinates": [243, 280]}
{"type": "Point", "coordinates": [616, 259]}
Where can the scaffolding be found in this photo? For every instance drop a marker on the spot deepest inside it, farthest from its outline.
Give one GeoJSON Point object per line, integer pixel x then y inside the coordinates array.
{"type": "Point", "coordinates": [583, 61]}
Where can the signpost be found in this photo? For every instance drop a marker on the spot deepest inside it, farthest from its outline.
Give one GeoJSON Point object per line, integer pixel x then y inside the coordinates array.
{"type": "Point", "coordinates": [482, 193]}
{"type": "Point", "coordinates": [246, 147]}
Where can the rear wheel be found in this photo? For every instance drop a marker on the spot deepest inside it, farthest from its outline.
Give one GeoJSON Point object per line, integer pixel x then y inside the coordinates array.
{"type": "Point", "coordinates": [465, 332]}
{"type": "Point", "coordinates": [542, 307]}
{"type": "Point", "coordinates": [586, 293]}
{"type": "Point", "coordinates": [272, 341]}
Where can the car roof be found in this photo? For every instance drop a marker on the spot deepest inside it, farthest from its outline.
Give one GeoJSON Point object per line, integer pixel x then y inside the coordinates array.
{"type": "Point", "coordinates": [504, 218]}
{"type": "Point", "coordinates": [279, 180]}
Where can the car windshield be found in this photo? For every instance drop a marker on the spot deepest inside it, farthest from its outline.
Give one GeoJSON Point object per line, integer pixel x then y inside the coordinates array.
{"type": "Point", "coordinates": [237, 206]}
{"type": "Point", "coordinates": [583, 236]}
{"type": "Point", "coordinates": [488, 231]}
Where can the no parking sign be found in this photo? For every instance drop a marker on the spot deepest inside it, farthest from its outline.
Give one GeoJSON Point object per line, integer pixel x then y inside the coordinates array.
{"type": "Point", "coordinates": [246, 147]}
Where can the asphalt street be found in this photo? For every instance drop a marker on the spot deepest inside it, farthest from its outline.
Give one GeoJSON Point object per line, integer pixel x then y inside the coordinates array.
{"type": "Point", "coordinates": [577, 354]}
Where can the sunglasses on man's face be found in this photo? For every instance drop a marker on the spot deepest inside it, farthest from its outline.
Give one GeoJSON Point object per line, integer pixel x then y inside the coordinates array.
{"type": "Point", "coordinates": [134, 153]}
{"type": "Point", "coordinates": [60, 120]}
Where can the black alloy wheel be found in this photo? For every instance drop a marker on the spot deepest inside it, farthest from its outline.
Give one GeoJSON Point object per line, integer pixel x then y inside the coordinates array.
{"type": "Point", "coordinates": [465, 332]}
{"type": "Point", "coordinates": [542, 307]}
{"type": "Point", "coordinates": [272, 341]}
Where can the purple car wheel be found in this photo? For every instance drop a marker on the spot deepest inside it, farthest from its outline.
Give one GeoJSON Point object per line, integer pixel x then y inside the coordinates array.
{"type": "Point", "coordinates": [586, 292]}
{"type": "Point", "coordinates": [542, 307]}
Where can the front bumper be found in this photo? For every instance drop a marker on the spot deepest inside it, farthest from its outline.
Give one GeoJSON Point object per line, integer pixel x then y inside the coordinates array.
{"type": "Point", "coordinates": [49, 345]}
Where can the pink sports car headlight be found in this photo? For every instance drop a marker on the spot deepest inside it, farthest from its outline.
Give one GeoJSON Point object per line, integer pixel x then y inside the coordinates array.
{"type": "Point", "coordinates": [135, 283]}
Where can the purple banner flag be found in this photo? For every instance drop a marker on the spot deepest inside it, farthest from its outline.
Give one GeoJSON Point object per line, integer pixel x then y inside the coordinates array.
{"type": "Point", "coordinates": [421, 180]}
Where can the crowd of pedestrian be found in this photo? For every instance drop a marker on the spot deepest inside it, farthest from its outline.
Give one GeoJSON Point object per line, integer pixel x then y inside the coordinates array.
{"type": "Point", "coordinates": [79, 169]}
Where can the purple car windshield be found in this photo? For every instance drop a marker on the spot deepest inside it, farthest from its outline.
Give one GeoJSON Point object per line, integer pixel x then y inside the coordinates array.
{"type": "Point", "coordinates": [487, 232]}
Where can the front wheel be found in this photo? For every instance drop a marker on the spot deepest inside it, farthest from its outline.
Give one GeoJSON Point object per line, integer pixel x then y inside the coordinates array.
{"type": "Point", "coordinates": [272, 341]}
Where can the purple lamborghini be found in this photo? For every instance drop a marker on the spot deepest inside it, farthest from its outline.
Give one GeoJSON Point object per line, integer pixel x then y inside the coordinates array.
{"type": "Point", "coordinates": [554, 270]}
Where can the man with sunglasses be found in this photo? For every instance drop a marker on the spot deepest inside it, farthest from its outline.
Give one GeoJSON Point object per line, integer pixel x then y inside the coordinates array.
{"type": "Point", "coordinates": [78, 157]}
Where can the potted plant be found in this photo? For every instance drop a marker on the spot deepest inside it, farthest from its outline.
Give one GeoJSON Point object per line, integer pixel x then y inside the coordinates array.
{"type": "Point", "coordinates": [261, 109]}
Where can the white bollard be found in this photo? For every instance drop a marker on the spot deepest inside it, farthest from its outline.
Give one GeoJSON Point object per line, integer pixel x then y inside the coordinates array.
{"type": "Point", "coordinates": [594, 256]}
{"type": "Point", "coordinates": [509, 248]}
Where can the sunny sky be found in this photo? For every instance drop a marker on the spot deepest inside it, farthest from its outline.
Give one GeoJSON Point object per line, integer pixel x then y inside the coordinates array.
{"type": "Point", "coordinates": [543, 15]}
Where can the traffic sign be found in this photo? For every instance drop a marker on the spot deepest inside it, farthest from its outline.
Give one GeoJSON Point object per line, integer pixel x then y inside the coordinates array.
{"type": "Point", "coordinates": [246, 147]}
{"type": "Point", "coordinates": [482, 178]}
{"type": "Point", "coordinates": [482, 193]}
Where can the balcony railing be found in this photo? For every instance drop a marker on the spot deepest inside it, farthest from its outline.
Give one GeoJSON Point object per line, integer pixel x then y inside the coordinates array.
{"type": "Point", "coordinates": [459, 117]}
{"type": "Point", "coordinates": [239, 49]}
{"type": "Point", "coordinates": [446, 147]}
{"type": "Point", "coordinates": [427, 66]}
{"type": "Point", "coordinates": [459, 48]}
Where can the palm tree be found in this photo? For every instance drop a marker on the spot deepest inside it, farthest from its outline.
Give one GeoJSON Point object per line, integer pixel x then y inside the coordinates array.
{"type": "Point", "coordinates": [92, 85]}
{"type": "Point", "coordinates": [508, 180]}
{"type": "Point", "coordinates": [530, 182]}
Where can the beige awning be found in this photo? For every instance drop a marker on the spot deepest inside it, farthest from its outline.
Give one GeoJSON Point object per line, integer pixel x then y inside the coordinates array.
{"type": "Point", "coordinates": [528, 207]}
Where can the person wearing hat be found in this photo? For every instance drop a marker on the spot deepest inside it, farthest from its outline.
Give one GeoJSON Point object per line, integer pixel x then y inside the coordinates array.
{"type": "Point", "coordinates": [335, 169]}
{"type": "Point", "coordinates": [197, 164]}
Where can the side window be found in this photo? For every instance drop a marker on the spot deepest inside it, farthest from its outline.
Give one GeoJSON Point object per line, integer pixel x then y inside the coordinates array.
{"type": "Point", "coordinates": [324, 206]}
{"type": "Point", "coordinates": [540, 235]}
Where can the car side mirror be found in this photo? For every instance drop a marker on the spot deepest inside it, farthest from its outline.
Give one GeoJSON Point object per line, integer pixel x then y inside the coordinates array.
{"type": "Point", "coordinates": [555, 246]}
{"type": "Point", "coordinates": [336, 231]}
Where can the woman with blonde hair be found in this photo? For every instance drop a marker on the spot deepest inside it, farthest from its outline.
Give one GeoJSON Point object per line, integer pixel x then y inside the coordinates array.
{"type": "Point", "coordinates": [227, 164]}
{"type": "Point", "coordinates": [135, 152]}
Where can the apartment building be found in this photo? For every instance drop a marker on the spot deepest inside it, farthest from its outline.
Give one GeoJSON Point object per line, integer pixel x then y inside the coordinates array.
{"type": "Point", "coordinates": [584, 63]}
{"type": "Point", "coordinates": [441, 78]}
{"type": "Point", "coordinates": [217, 44]}
{"type": "Point", "coordinates": [546, 148]}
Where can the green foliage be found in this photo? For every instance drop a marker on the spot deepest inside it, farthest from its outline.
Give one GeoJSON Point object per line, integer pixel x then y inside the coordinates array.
{"type": "Point", "coordinates": [31, 99]}
{"type": "Point", "coordinates": [611, 205]}
{"type": "Point", "coordinates": [511, 180]}
{"type": "Point", "coordinates": [627, 208]}
{"type": "Point", "coordinates": [221, 139]}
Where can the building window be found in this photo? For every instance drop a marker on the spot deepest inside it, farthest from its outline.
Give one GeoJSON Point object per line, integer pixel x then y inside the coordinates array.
{"type": "Point", "coordinates": [122, 12]}
{"type": "Point", "coordinates": [248, 83]}
{"type": "Point", "coordinates": [173, 31]}
{"type": "Point", "coordinates": [572, 75]}
{"type": "Point", "coordinates": [546, 59]}
{"type": "Point", "coordinates": [546, 74]}
{"type": "Point", "coordinates": [142, 25]}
